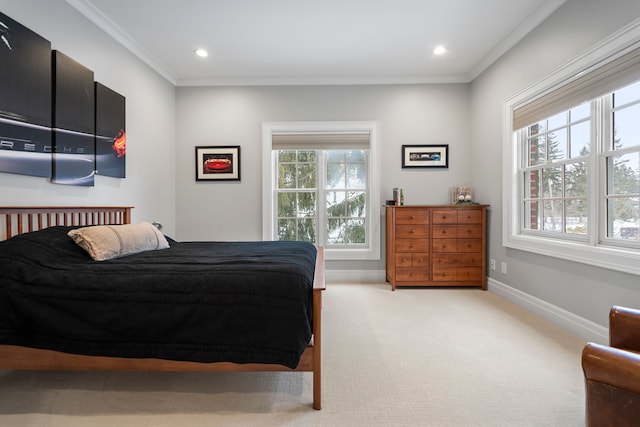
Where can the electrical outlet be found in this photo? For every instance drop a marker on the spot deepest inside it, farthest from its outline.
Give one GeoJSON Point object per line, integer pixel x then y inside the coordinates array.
{"type": "Point", "coordinates": [504, 268]}
{"type": "Point", "coordinates": [492, 263]}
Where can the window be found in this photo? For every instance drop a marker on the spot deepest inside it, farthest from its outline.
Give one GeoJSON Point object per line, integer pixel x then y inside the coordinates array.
{"type": "Point", "coordinates": [622, 163]}
{"type": "Point", "coordinates": [322, 186]}
{"type": "Point", "coordinates": [572, 159]}
{"type": "Point", "coordinates": [555, 169]}
{"type": "Point", "coordinates": [554, 173]}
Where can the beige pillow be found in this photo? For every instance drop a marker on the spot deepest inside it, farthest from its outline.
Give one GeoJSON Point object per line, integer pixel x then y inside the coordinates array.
{"type": "Point", "coordinates": [104, 242]}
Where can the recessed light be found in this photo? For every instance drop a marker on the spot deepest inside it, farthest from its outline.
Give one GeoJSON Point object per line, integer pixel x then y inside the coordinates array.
{"type": "Point", "coordinates": [439, 50]}
{"type": "Point", "coordinates": [201, 53]}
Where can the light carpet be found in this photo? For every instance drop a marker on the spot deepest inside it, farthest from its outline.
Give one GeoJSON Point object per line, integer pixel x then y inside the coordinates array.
{"type": "Point", "coordinates": [413, 357]}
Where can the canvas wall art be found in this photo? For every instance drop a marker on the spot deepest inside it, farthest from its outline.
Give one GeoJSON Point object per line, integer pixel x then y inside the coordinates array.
{"type": "Point", "coordinates": [111, 135]}
{"type": "Point", "coordinates": [25, 104]}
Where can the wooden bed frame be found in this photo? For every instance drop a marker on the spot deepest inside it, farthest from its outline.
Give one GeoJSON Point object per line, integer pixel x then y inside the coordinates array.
{"type": "Point", "coordinates": [20, 220]}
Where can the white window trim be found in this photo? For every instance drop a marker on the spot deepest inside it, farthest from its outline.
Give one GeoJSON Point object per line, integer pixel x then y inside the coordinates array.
{"type": "Point", "coordinates": [372, 252]}
{"type": "Point", "coordinates": [601, 256]}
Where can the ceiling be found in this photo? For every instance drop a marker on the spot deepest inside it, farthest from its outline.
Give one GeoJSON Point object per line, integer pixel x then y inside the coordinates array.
{"type": "Point", "coordinates": [284, 42]}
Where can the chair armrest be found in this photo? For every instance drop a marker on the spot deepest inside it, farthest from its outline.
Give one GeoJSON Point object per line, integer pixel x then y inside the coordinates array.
{"type": "Point", "coordinates": [624, 328]}
{"type": "Point", "coordinates": [612, 366]}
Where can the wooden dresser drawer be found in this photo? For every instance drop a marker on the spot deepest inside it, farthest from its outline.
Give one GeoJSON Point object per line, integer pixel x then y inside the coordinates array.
{"type": "Point", "coordinates": [457, 259]}
{"type": "Point", "coordinates": [412, 216]}
{"type": "Point", "coordinates": [469, 216]}
{"type": "Point", "coordinates": [469, 260]}
{"type": "Point", "coordinates": [444, 231]}
{"type": "Point", "coordinates": [445, 245]}
{"type": "Point", "coordinates": [457, 274]}
{"type": "Point", "coordinates": [445, 216]}
{"type": "Point", "coordinates": [470, 245]}
{"type": "Point", "coordinates": [468, 231]}
{"type": "Point", "coordinates": [412, 274]}
{"type": "Point", "coordinates": [444, 274]}
{"type": "Point", "coordinates": [469, 274]}
{"type": "Point", "coordinates": [418, 259]}
{"type": "Point", "coordinates": [418, 231]}
{"type": "Point", "coordinates": [412, 245]}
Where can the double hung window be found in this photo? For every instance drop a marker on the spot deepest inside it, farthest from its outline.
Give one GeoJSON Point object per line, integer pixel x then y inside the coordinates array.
{"type": "Point", "coordinates": [572, 160]}
{"type": "Point", "coordinates": [322, 187]}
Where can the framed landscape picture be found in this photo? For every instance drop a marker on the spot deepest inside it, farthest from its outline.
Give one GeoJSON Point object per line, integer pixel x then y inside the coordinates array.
{"type": "Point", "coordinates": [425, 156]}
{"type": "Point", "coordinates": [218, 163]}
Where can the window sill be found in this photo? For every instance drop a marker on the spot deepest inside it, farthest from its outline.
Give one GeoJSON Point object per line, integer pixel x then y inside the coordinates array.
{"type": "Point", "coordinates": [618, 259]}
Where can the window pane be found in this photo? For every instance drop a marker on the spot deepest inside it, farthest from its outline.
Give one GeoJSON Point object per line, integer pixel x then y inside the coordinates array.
{"type": "Point", "coordinates": [580, 137]}
{"type": "Point", "coordinates": [306, 175]}
{"type": "Point", "coordinates": [575, 180]}
{"type": "Point", "coordinates": [356, 204]}
{"type": "Point", "coordinates": [532, 215]}
{"type": "Point", "coordinates": [286, 156]}
{"type": "Point", "coordinates": [551, 182]}
{"type": "Point", "coordinates": [336, 231]}
{"type": "Point", "coordinates": [306, 204]}
{"type": "Point", "coordinates": [552, 218]}
{"type": "Point", "coordinates": [536, 150]}
{"type": "Point", "coordinates": [356, 176]}
{"type": "Point", "coordinates": [356, 231]}
{"type": "Point", "coordinates": [557, 121]}
{"type": "Point", "coordinates": [627, 94]}
{"type": "Point", "coordinates": [307, 156]}
{"type": "Point", "coordinates": [532, 184]}
{"type": "Point", "coordinates": [286, 229]}
{"type": "Point", "coordinates": [356, 156]}
{"type": "Point", "coordinates": [576, 216]}
{"type": "Point", "coordinates": [623, 218]}
{"type": "Point", "coordinates": [336, 175]}
{"type": "Point", "coordinates": [624, 174]}
{"type": "Point", "coordinates": [336, 205]}
{"type": "Point", "coordinates": [580, 112]}
{"type": "Point", "coordinates": [286, 205]}
{"type": "Point", "coordinates": [627, 127]}
{"type": "Point", "coordinates": [306, 230]}
{"type": "Point", "coordinates": [336, 156]}
{"type": "Point", "coordinates": [287, 175]}
{"type": "Point", "coordinates": [557, 141]}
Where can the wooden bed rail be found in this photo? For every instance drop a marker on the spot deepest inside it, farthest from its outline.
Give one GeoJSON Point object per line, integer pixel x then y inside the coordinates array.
{"type": "Point", "coordinates": [23, 219]}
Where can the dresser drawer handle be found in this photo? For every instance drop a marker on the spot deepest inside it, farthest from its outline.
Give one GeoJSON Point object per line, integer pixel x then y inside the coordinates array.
{"type": "Point", "coordinates": [412, 231]}
{"type": "Point", "coordinates": [404, 260]}
{"type": "Point", "coordinates": [412, 217]}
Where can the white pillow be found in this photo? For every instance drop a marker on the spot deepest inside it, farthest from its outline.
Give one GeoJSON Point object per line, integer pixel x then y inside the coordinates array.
{"type": "Point", "coordinates": [104, 242]}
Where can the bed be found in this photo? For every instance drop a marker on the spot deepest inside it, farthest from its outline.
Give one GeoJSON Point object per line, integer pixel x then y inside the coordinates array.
{"type": "Point", "coordinates": [116, 291]}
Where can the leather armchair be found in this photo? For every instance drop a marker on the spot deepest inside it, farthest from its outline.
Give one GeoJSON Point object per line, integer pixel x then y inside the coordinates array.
{"type": "Point", "coordinates": [612, 373]}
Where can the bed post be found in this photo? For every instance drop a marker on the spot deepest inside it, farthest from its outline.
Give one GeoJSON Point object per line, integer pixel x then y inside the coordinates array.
{"type": "Point", "coordinates": [318, 287]}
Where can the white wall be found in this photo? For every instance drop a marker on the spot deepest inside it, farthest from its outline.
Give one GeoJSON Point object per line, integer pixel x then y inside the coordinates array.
{"type": "Point", "coordinates": [407, 114]}
{"type": "Point", "coordinates": [585, 291]}
{"type": "Point", "coordinates": [150, 119]}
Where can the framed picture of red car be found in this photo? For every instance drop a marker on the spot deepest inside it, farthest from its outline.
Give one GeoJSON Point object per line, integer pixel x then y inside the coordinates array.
{"type": "Point", "coordinates": [218, 163]}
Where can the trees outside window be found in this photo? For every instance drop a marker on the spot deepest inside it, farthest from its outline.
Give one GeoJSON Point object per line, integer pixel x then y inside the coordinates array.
{"type": "Point", "coordinates": [563, 171]}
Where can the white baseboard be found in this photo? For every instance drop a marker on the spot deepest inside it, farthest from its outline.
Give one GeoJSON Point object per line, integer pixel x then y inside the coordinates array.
{"type": "Point", "coordinates": [585, 329]}
{"type": "Point", "coordinates": [355, 276]}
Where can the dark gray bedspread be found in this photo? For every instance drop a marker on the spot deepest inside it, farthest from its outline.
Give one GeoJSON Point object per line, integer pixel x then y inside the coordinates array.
{"type": "Point", "coordinates": [239, 302]}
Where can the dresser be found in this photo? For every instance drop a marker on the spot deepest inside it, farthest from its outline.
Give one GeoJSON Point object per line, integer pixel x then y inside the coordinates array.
{"type": "Point", "coordinates": [444, 245]}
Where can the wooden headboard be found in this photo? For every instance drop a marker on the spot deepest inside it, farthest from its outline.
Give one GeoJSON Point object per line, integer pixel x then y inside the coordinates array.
{"type": "Point", "coordinates": [24, 219]}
